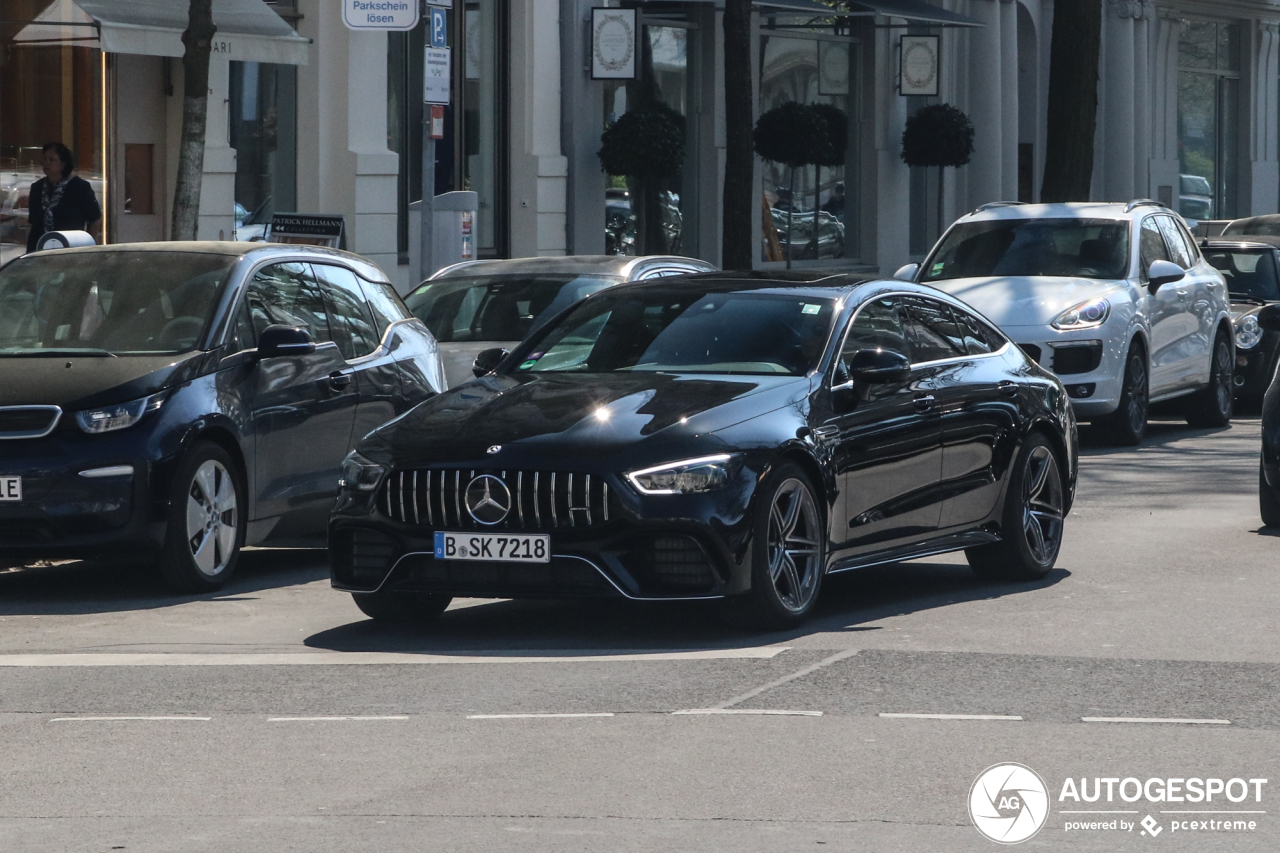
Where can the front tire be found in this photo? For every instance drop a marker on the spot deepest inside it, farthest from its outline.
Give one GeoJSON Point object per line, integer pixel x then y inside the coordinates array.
{"type": "Point", "coordinates": [788, 558]}
{"type": "Point", "coordinates": [1031, 528]}
{"type": "Point", "coordinates": [206, 524]}
{"type": "Point", "coordinates": [1128, 425]}
{"type": "Point", "coordinates": [1214, 405]}
{"type": "Point", "coordinates": [401, 608]}
{"type": "Point", "coordinates": [1268, 500]}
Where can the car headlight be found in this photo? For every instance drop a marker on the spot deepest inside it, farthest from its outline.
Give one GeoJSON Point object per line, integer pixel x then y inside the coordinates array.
{"type": "Point", "coordinates": [361, 474]}
{"type": "Point", "coordinates": [119, 416]}
{"type": "Point", "coordinates": [1086, 315]}
{"type": "Point", "coordinates": [1248, 332]}
{"type": "Point", "coordinates": [687, 477]}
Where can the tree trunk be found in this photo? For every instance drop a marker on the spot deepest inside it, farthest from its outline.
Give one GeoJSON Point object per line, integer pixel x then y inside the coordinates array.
{"type": "Point", "coordinates": [1073, 100]}
{"type": "Point", "coordinates": [195, 101]}
{"type": "Point", "coordinates": [739, 164]}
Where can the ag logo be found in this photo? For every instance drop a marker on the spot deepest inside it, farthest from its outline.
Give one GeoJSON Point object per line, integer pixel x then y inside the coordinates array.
{"type": "Point", "coordinates": [1008, 803]}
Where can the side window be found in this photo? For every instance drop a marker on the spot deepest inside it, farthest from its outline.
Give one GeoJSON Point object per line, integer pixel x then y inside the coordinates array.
{"type": "Point", "coordinates": [1151, 245]}
{"type": "Point", "coordinates": [1178, 249]}
{"type": "Point", "coordinates": [241, 336]}
{"type": "Point", "coordinates": [350, 310]}
{"type": "Point", "coordinates": [878, 326]}
{"type": "Point", "coordinates": [289, 295]}
{"type": "Point", "coordinates": [385, 303]}
{"type": "Point", "coordinates": [932, 332]}
{"type": "Point", "coordinates": [979, 338]}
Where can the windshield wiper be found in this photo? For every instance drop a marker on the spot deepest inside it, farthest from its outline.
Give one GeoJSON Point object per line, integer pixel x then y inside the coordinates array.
{"type": "Point", "coordinates": [56, 353]}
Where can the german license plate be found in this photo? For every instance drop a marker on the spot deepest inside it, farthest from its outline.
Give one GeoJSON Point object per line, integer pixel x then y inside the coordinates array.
{"type": "Point", "coordinates": [494, 547]}
{"type": "Point", "coordinates": [11, 489]}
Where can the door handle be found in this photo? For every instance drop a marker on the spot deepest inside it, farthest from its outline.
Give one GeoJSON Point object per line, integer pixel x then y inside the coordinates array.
{"type": "Point", "coordinates": [924, 403]}
{"type": "Point", "coordinates": [339, 380]}
{"type": "Point", "coordinates": [1007, 388]}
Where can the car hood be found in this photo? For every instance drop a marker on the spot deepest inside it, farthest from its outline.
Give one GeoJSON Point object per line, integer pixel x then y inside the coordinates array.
{"type": "Point", "coordinates": [76, 382]}
{"type": "Point", "coordinates": [559, 419]}
{"type": "Point", "coordinates": [1023, 300]}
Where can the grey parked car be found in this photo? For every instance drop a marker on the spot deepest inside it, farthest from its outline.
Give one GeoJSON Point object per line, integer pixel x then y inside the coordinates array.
{"type": "Point", "coordinates": [480, 305]}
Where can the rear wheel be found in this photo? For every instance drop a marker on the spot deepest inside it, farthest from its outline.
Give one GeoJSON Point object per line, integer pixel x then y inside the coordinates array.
{"type": "Point", "coordinates": [401, 608]}
{"type": "Point", "coordinates": [1268, 500]}
{"type": "Point", "coordinates": [206, 521]}
{"type": "Point", "coordinates": [1127, 426]}
{"type": "Point", "coordinates": [1035, 505]}
{"type": "Point", "coordinates": [1213, 406]}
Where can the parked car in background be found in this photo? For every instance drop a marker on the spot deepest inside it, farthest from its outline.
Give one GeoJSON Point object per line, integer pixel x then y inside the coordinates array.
{"type": "Point", "coordinates": [1252, 273]}
{"type": "Point", "coordinates": [1195, 199]}
{"type": "Point", "coordinates": [182, 400]}
{"type": "Point", "coordinates": [1267, 225]}
{"type": "Point", "coordinates": [479, 305]}
{"type": "Point", "coordinates": [720, 437]}
{"type": "Point", "coordinates": [1116, 299]}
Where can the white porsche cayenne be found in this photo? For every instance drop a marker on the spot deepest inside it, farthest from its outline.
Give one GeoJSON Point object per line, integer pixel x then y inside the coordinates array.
{"type": "Point", "coordinates": [1116, 299]}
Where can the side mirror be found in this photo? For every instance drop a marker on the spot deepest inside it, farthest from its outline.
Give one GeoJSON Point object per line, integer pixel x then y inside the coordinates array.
{"type": "Point", "coordinates": [488, 360]}
{"type": "Point", "coordinates": [873, 366]}
{"type": "Point", "coordinates": [281, 340]}
{"type": "Point", "coordinates": [907, 273]}
{"type": "Point", "coordinates": [1162, 273]}
{"type": "Point", "coordinates": [1269, 318]}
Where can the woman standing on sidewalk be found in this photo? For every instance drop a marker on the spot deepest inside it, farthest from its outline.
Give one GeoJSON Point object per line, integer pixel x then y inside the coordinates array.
{"type": "Point", "coordinates": [61, 201]}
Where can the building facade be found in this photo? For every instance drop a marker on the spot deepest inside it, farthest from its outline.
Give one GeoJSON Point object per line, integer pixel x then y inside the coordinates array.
{"type": "Point", "coordinates": [307, 115]}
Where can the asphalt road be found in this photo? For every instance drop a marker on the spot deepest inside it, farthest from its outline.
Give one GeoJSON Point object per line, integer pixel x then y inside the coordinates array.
{"type": "Point", "coordinates": [274, 717]}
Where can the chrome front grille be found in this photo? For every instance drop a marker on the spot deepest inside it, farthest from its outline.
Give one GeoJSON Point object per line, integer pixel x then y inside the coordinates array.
{"type": "Point", "coordinates": [539, 500]}
{"type": "Point", "coordinates": [28, 421]}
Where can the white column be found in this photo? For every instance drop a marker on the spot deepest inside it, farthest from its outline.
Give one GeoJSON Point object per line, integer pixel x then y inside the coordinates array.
{"type": "Point", "coordinates": [371, 222]}
{"type": "Point", "coordinates": [1264, 184]}
{"type": "Point", "coordinates": [1142, 107]}
{"type": "Point", "coordinates": [539, 169]}
{"type": "Point", "coordinates": [1164, 169]}
{"type": "Point", "coordinates": [893, 177]}
{"type": "Point", "coordinates": [1118, 80]}
{"type": "Point", "coordinates": [1009, 111]}
{"type": "Point", "coordinates": [986, 104]}
{"type": "Point", "coordinates": [218, 186]}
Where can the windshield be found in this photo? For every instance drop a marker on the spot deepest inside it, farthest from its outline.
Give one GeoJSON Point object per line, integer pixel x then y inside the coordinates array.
{"type": "Point", "coordinates": [1083, 248]}
{"type": "Point", "coordinates": [498, 307]}
{"type": "Point", "coordinates": [1261, 226]}
{"type": "Point", "coordinates": [686, 332]}
{"type": "Point", "coordinates": [118, 303]}
{"type": "Point", "coordinates": [1248, 272]}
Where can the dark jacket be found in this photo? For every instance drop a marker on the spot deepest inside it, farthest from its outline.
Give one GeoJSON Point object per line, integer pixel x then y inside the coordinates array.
{"type": "Point", "coordinates": [77, 209]}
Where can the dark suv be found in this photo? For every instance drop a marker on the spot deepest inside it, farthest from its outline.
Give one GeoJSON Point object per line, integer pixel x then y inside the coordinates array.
{"type": "Point", "coordinates": [181, 400]}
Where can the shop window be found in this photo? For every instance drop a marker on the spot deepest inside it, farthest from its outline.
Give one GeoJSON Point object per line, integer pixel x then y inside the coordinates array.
{"type": "Point", "coordinates": [263, 111]}
{"type": "Point", "coordinates": [810, 209]}
{"type": "Point", "coordinates": [139, 172]}
{"type": "Point", "coordinates": [1208, 120]}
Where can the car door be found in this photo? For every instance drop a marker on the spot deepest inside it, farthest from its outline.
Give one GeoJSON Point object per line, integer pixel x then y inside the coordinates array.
{"type": "Point", "coordinates": [304, 405]}
{"type": "Point", "coordinates": [373, 369]}
{"type": "Point", "coordinates": [1172, 322]}
{"type": "Point", "coordinates": [1208, 297]}
{"type": "Point", "coordinates": [886, 445]}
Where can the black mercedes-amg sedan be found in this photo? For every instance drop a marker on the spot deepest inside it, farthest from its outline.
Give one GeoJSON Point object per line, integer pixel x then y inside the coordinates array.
{"type": "Point", "coordinates": [719, 436]}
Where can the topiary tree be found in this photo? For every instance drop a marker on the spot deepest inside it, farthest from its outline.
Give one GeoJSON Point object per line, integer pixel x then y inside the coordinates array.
{"type": "Point", "coordinates": [830, 149]}
{"type": "Point", "coordinates": [794, 135]}
{"type": "Point", "coordinates": [938, 135]}
{"type": "Point", "coordinates": [646, 145]}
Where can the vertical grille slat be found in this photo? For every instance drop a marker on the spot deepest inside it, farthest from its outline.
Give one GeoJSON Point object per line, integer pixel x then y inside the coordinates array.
{"type": "Point", "coordinates": [555, 521]}
{"type": "Point", "coordinates": [569, 500]}
{"type": "Point", "coordinates": [604, 500]}
{"type": "Point", "coordinates": [520, 496]}
{"type": "Point", "coordinates": [416, 519]}
{"type": "Point", "coordinates": [537, 502]}
{"type": "Point", "coordinates": [430, 515]}
{"type": "Point", "coordinates": [457, 497]}
{"type": "Point", "coordinates": [587, 489]}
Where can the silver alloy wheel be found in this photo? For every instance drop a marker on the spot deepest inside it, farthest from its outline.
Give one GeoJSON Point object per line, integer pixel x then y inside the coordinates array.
{"type": "Point", "coordinates": [1042, 504]}
{"type": "Point", "coordinates": [794, 546]}
{"type": "Point", "coordinates": [1222, 363]}
{"type": "Point", "coordinates": [212, 518]}
{"type": "Point", "coordinates": [1137, 413]}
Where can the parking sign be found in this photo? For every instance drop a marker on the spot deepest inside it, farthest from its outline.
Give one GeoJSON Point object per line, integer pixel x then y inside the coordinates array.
{"type": "Point", "coordinates": [439, 28]}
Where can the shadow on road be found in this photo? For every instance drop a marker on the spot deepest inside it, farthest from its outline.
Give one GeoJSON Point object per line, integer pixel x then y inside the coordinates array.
{"type": "Point", "coordinates": [849, 602]}
{"type": "Point", "coordinates": [82, 587]}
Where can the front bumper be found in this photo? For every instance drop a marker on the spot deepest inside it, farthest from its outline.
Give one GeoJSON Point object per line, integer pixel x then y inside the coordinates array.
{"type": "Point", "coordinates": [1254, 368]}
{"type": "Point", "coordinates": [648, 548]}
{"type": "Point", "coordinates": [1090, 365]}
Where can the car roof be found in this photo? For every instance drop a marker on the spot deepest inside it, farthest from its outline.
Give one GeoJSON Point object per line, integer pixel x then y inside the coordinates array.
{"type": "Point", "coordinates": [617, 265]}
{"type": "Point", "coordinates": [1251, 242]}
{"type": "Point", "coordinates": [1120, 211]}
{"type": "Point", "coordinates": [812, 283]}
{"type": "Point", "coordinates": [237, 249]}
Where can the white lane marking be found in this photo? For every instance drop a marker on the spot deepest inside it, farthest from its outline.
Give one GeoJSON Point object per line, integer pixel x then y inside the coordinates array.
{"type": "Point", "coordinates": [949, 717]}
{"type": "Point", "coordinates": [1209, 811]}
{"type": "Point", "coordinates": [1155, 720]}
{"type": "Point", "coordinates": [531, 716]}
{"type": "Point", "coordinates": [768, 712]}
{"type": "Point", "coordinates": [327, 719]}
{"type": "Point", "coordinates": [375, 658]}
{"type": "Point", "coordinates": [800, 673]}
{"type": "Point", "coordinates": [1067, 811]}
{"type": "Point", "coordinates": [119, 719]}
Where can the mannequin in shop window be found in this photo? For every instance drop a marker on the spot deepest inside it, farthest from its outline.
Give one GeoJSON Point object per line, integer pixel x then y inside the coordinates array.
{"type": "Point", "coordinates": [61, 200]}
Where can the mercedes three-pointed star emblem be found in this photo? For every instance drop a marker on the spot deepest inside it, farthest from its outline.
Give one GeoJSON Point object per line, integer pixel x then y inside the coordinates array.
{"type": "Point", "coordinates": [488, 499]}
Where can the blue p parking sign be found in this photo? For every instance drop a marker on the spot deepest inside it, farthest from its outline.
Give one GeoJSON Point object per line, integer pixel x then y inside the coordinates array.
{"type": "Point", "coordinates": [439, 28]}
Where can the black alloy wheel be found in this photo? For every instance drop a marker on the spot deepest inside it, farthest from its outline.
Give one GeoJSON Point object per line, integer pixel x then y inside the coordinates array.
{"type": "Point", "coordinates": [1214, 405]}
{"type": "Point", "coordinates": [1128, 425]}
{"type": "Point", "coordinates": [789, 556]}
{"type": "Point", "coordinates": [1268, 500]}
{"type": "Point", "coordinates": [1031, 529]}
{"type": "Point", "coordinates": [401, 608]}
{"type": "Point", "coordinates": [206, 523]}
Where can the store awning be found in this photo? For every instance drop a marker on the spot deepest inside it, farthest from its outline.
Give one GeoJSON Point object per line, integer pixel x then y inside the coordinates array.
{"type": "Point", "coordinates": [248, 30]}
{"type": "Point", "coordinates": [913, 11]}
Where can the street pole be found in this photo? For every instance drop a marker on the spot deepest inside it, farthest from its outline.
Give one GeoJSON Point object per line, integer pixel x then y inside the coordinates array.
{"type": "Point", "coordinates": [428, 195]}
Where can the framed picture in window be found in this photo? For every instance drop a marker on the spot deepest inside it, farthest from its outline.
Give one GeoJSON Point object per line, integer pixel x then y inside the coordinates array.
{"type": "Point", "coordinates": [613, 44]}
{"type": "Point", "coordinates": [833, 68]}
{"type": "Point", "coordinates": [918, 69]}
